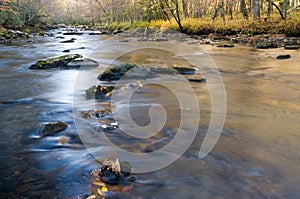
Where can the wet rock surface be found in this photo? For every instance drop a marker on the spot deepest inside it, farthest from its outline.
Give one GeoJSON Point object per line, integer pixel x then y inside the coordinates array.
{"type": "Point", "coordinates": [130, 71]}
{"type": "Point", "coordinates": [65, 61]}
{"type": "Point", "coordinates": [53, 127]}
{"type": "Point", "coordinates": [283, 57]}
{"type": "Point", "coordinates": [113, 177]}
{"type": "Point", "coordinates": [99, 92]}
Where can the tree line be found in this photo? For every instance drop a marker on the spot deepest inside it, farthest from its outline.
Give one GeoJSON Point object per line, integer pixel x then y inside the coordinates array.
{"type": "Point", "coordinates": [104, 12]}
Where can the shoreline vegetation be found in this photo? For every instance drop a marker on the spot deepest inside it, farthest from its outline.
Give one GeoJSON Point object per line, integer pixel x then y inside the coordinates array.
{"type": "Point", "coordinates": [247, 31]}
{"type": "Point", "coordinates": [220, 18]}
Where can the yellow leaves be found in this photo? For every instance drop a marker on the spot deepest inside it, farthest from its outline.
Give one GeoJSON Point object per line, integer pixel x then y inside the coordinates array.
{"type": "Point", "coordinates": [104, 189]}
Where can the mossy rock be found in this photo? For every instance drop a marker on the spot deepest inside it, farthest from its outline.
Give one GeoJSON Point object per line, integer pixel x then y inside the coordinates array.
{"type": "Point", "coordinates": [129, 71]}
{"type": "Point", "coordinates": [55, 62]}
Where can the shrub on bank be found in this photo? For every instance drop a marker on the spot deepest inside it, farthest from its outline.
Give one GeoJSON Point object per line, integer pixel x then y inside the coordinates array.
{"type": "Point", "coordinates": [237, 26]}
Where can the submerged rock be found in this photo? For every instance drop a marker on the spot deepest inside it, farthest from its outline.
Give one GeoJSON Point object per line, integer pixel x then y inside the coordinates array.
{"type": "Point", "coordinates": [73, 33]}
{"type": "Point", "coordinates": [53, 127]}
{"type": "Point", "coordinates": [55, 62]}
{"type": "Point", "coordinates": [114, 172]}
{"type": "Point", "coordinates": [99, 92]}
{"type": "Point", "coordinates": [283, 57]}
{"type": "Point", "coordinates": [82, 62]}
{"type": "Point", "coordinates": [291, 47]}
{"type": "Point", "coordinates": [130, 71]}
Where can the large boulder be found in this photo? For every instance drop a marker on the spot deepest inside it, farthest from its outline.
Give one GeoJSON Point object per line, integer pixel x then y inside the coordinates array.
{"type": "Point", "coordinates": [130, 71]}
{"type": "Point", "coordinates": [55, 62]}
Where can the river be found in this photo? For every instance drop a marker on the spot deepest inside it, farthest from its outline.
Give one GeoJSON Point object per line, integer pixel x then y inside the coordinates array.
{"type": "Point", "coordinates": [256, 155]}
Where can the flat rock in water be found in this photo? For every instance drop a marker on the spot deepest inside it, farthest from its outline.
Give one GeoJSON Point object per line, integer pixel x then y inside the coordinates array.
{"type": "Point", "coordinates": [283, 57]}
{"type": "Point", "coordinates": [68, 41]}
{"type": "Point", "coordinates": [97, 33]}
{"type": "Point", "coordinates": [53, 127]}
{"type": "Point", "coordinates": [55, 62]}
{"type": "Point", "coordinates": [291, 47]}
{"type": "Point", "coordinates": [130, 71]}
{"type": "Point", "coordinates": [82, 62]}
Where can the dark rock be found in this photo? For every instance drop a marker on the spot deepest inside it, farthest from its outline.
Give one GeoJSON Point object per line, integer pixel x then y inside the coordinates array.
{"type": "Point", "coordinates": [60, 37]}
{"type": "Point", "coordinates": [197, 80]}
{"type": "Point", "coordinates": [68, 41]}
{"type": "Point", "coordinates": [225, 46]}
{"type": "Point", "coordinates": [99, 92]}
{"type": "Point", "coordinates": [55, 62]}
{"type": "Point", "coordinates": [114, 172]}
{"type": "Point", "coordinates": [50, 34]}
{"type": "Point", "coordinates": [97, 33]}
{"type": "Point", "coordinates": [283, 57]}
{"type": "Point", "coordinates": [266, 45]}
{"type": "Point", "coordinates": [66, 51]}
{"type": "Point", "coordinates": [291, 47]}
{"type": "Point", "coordinates": [53, 127]}
{"type": "Point", "coordinates": [117, 31]}
{"type": "Point", "coordinates": [130, 71]}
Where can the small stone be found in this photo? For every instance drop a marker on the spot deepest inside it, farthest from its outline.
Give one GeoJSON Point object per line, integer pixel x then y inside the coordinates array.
{"type": "Point", "coordinates": [53, 127]}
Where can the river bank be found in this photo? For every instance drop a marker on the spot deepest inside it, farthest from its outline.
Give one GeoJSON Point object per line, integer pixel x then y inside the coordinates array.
{"type": "Point", "coordinates": [276, 31]}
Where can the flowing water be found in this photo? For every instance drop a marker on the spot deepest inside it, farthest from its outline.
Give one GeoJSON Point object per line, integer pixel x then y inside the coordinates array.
{"type": "Point", "coordinates": [256, 156]}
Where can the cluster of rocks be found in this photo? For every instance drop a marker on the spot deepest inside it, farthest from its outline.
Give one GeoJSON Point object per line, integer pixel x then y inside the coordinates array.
{"type": "Point", "coordinates": [9, 36]}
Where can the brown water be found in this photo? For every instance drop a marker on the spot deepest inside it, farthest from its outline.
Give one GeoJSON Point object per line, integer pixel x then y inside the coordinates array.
{"type": "Point", "coordinates": [257, 155]}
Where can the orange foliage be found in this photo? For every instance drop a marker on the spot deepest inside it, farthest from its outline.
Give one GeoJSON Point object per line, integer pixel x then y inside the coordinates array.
{"type": "Point", "coordinates": [5, 5]}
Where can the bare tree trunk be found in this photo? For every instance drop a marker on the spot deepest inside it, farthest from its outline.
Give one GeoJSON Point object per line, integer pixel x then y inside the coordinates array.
{"type": "Point", "coordinates": [269, 8]}
{"type": "Point", "coordinates": [256, 9]}
{"type": "Point", "coordinates": [243, 9]}
{"type": "Point", "coordinates": [284, 8]}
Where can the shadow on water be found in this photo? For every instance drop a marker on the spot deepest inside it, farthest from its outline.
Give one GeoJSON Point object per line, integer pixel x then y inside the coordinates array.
{"type": "Point", "coordinates": [257, 155]}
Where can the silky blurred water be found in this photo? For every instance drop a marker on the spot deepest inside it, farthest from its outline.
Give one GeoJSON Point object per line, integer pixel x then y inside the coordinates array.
{"type": "Point", "coordinates": [257, 155]}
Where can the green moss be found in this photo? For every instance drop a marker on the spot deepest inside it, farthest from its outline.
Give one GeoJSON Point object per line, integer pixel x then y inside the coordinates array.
{"type": "Point", "coordinates": [55, 62]}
